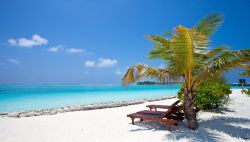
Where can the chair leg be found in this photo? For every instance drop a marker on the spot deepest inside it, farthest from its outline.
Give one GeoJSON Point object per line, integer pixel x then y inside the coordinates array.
{"type": "Point", "coordinates": [133, 123]}
{"type": "Point", "coordinates": [168, 126]}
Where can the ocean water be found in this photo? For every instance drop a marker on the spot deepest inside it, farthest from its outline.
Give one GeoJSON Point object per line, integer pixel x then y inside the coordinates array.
{"type": "Point", "coordinates": [15, 98]}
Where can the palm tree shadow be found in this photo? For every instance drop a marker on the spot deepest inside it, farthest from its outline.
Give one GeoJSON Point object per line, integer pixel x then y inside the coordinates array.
{"type": "Point", "coordinates": [224, 110]}
{"type": "Point", "coordinates": [149, 125]}
{"type": "Point", "coordinates": [208, 130]}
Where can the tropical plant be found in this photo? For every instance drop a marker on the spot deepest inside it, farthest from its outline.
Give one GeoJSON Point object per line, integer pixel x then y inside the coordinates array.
{"type": "Point", "coordinates": [248, 92]}
{"type": "Point", "coordinates": [242, 81]}
{"type": "Point", "coordinates": [211, 94]}
{"type": "Point", "coordinates": [189, 59]}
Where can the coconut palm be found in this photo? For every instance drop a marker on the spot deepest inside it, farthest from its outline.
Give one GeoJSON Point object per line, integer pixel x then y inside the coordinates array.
{"type": "Point", "coordinates": [189, 59]}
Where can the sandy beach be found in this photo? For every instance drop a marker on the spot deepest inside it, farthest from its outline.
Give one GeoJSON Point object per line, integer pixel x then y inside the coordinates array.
{"type": "Point", "coordinates": [87, 71]}
{"type": "Point", "coordinates": [112, 125]}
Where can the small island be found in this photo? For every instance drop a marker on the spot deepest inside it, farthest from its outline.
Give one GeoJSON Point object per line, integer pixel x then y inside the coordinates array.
{"type": "Point", "coordinates": [154, 83]}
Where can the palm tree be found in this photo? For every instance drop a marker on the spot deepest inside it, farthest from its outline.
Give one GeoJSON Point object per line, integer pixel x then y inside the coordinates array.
{"type": "Point", "coordinates": [189, 59]}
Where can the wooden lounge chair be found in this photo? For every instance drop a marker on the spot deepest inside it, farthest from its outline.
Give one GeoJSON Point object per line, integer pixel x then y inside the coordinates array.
{"type": "Point", "coordinates": [169, 118]}
{"type": "Point", "coordinates": [161, 106]}
{"type": "Point", "coordinates": [178, 110]}
{"type": "Point", "coordinates": [151, 107]}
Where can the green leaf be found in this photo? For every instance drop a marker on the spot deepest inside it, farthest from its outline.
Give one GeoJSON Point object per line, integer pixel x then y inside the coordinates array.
{"type": "Point", "coordinates": [209, 24]}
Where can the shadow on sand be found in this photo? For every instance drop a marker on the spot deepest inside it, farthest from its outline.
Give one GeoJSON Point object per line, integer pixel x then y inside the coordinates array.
{"type": "Point", "coordinates": [208, 129]}
{"type": "Point", "coordinates": [149, 125]}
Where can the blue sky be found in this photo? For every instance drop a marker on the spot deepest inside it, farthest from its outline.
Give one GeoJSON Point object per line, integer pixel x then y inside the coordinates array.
{"type": "Point", "coordinates": [94, 41]}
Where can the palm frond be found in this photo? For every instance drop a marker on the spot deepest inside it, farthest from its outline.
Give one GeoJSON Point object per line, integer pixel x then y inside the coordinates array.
{"type": "Point", "coordinates": [161, 40]}
{"type": "Point", "coordinates": [216, 52]}
{"type": "Point", "coordinates": [247, 68]}
{"type": "Point", "coordinates": [246, 73]}
{"type": "Point", "coordinates": [187, 48]}
{"type": "Point", "coordinates": [167, 33]}
{"type": "Point", "coordinates": [140, 71]}
{"type": "Point", "coordinates": [161, 49]}
{"type": "Point", "coordinates": [228, 60]}
{"type": "Point", "coordinates": [161, 52]}
{"type": "Point", "coordinates": [183, 49]}
{"type": "Point", "coordinates": [208, 25]}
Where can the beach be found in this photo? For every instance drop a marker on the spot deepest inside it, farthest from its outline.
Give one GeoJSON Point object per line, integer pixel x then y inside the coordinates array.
{"type": "Point", "coordinates": [232, 123]}
{"type": "Point", "coordinates": [98, 71]}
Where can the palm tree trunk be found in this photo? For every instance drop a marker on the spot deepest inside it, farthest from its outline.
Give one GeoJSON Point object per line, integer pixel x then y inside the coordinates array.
{"type": "Point", "coordinates": [189, 111]}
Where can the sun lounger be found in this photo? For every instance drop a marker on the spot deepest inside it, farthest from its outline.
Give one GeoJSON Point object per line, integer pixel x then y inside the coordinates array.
{"type": "Point", "coordinates": [161, 106]}
{"type": "Point", "coordinates": [155, 107]}
{"type": "Point", "coordinates": [169, 117]}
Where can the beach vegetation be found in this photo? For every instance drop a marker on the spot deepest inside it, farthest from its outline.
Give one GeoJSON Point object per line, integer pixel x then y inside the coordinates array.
{"type": "Point", "coordinates": [209, 95]}
{"type": "Point", "coordinates": [248, 92]}
{"type": "Point", "coordinates": [189, 59]}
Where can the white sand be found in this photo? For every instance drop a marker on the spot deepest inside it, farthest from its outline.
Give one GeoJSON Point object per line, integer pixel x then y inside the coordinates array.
{"type": "Point", "coordinates": [112, 125]}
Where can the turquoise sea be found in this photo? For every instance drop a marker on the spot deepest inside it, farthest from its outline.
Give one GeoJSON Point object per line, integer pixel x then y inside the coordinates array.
{"type": "Point", "coordinates": [15, 98]}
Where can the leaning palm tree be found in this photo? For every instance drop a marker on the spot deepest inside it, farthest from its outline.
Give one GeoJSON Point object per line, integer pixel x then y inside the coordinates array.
{"type": "Point", "coordinates": [189, 59]}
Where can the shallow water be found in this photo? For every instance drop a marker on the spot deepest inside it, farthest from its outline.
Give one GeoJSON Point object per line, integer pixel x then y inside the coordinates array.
{"type": "Point", "coordinates": [35, 97]}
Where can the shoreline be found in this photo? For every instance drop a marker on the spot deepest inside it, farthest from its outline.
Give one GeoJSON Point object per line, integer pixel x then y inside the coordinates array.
{"type": "Point", "coordinates": [230, 124]}
{"type": "Point", "coordinates": [86, 107]}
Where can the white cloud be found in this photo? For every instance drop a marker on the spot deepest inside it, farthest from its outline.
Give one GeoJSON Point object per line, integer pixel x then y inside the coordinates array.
{"type": "Point", "coordinates": [23, 42]}
{"type": "Point", "coordinates": [56, 49]}
{"type": "Point", "coordinates": [89, 63]}
{"type": "Point", "coordinates": [39, 40]}
{"type": "Point", "coordinates": [74, 50]}
{"type": "Point", "coordinates": [13, 61]}
{"type": "Point", "coordinates": [36, 40]}
{"type": "Point", "coordinates": [102, 62]}
{"type": "Point", "coordinates": [12, 42]}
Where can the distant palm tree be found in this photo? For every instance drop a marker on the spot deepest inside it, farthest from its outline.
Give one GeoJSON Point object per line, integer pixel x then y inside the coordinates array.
{"type": "Point", "coordinates": [242, 81]}
{"type": "Point", "coordinates": [189, 59]}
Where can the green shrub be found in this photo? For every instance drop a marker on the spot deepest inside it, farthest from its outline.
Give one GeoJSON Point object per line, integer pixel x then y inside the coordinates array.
{"type": "Point", "coordinates": [209, 95]}
{"type": "Point", "coordinates": [248, 92]}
